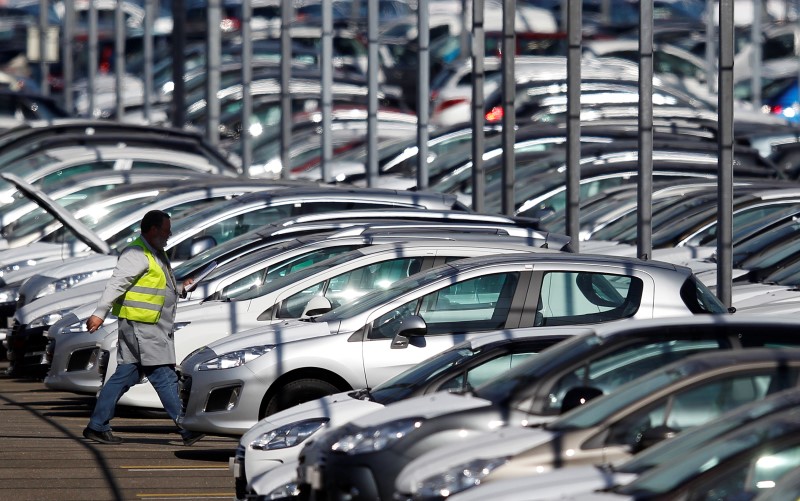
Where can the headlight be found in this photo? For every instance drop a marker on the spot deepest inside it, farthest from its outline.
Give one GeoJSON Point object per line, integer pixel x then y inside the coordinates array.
{"type": "Point", "coordinates": [376, 438]}
{"type": "Point", "coordinates": [288, 435]}
{"type": "Point", "coordinates": [458, 478]}
{"type": "Point", "coordinates": [8, 268]}
{"type": "Point", "coordinates": [9, 295]}
{"type": "Point", "coordinates": [71, 281]}
{"type": "Point", "coordinates": [46, 320]}
{"type": "Point", "coordinates": [74, 328]}
{"type": "Point", "coordinates": [235, 358]}
{"type": "Point", "coordinates": [287, 490]}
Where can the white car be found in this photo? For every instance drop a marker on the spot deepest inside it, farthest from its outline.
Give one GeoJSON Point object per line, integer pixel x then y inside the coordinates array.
{"type": "Point", "coordinates": [277, 439]}
{"type": "Point", "coordinates": [336, 281]}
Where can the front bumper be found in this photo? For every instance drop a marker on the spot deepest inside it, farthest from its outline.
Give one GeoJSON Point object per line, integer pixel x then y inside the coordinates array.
{"type": "Point", "coordinates": [72, 363]}
{"type": "Point", "coordinates": [221, 402]}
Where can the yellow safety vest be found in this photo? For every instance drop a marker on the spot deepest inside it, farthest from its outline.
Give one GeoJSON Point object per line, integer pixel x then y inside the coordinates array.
{"type": "Point", "coordinates": [145, 299]}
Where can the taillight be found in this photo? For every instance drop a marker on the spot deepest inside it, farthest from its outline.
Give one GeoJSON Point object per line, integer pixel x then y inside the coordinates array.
{"type": "Point", "coordinates": [229, 25]}
{"type": "Point", "coordinates": [495, 114]}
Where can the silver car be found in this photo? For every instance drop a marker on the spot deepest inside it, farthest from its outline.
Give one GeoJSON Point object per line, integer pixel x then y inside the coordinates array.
{"type": "Point", "coordinates": [681, 396]}
{"type": "Point", "coordinates": [234, 381]}
{"type": "Point", "coordinates": [308, 292]}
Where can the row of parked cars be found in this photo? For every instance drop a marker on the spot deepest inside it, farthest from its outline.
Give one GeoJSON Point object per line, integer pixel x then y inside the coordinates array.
{"type": "Point", "coordinates": [387, 343]}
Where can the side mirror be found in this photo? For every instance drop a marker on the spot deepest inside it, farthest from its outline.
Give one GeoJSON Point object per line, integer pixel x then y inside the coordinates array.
{"type": "Point", "coordinates": [652, 436]}
{"type": "Point", "coordinates": [578, 396]}
{"type": "Point", "coordinates": [316, 306]}
{"type": "Point", "coordinates": [201, 244]}
{"type": "Point", "coordinates": [410, 327]}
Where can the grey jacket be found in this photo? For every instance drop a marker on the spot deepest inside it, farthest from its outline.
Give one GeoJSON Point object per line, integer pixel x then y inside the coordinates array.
{"type": "Point", "coordinates": [146, 344]}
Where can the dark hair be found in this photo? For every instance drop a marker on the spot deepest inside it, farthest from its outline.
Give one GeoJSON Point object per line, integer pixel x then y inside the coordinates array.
{"type": "Point", "coordinates": [154, 218]}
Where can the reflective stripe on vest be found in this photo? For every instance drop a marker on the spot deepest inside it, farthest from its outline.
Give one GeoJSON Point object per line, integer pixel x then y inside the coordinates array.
{"type": "Point", "coordinates": [145, 299]}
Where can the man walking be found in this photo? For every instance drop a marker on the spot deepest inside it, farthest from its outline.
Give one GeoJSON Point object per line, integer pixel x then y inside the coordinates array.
{"type": "Point", "coordinates": [143, 293]}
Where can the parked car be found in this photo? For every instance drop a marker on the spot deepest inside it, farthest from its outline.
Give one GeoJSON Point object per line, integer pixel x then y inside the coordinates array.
{"type": "Point", "coordinates": [584, 479]}
{"type": "Point", "coordinates": [70, 347]}
{"type": "Point", "coordinates": [336, 282]}
{"type": "Point", "coordinates": [532, 393]}
{"type": "Point", "coordinates": [739, 465]}
{"type": "Point", "coordinates": [278, 438]}
{"type": "Point", "coordinates": [683, 395]}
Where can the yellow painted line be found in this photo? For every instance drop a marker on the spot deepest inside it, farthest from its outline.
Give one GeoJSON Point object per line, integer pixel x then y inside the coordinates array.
{"type": "Point", "coordinates": [208, 495]}
{"type": "Point", "coordinates": [173, 467]}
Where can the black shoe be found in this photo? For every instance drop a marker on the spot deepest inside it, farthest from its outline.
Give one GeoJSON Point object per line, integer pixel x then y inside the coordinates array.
{"type": "Point", "coordinates": [191, 439]}
{"type": "Point", "coordinates": [104, 437]}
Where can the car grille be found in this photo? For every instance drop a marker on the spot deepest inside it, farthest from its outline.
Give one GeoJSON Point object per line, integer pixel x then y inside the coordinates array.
{"type": "Point", "coordinates": [184, 388]}
{"type": "Point", "coordinates": [102, 363]}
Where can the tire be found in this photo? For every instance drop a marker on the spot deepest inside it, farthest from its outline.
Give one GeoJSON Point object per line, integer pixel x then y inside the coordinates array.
{"type": "Point", "coordinates": [297, 392]}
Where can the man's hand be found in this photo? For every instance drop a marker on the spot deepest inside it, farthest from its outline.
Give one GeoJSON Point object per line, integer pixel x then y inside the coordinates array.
{"type": "Point", "coordinates": [93, 323]}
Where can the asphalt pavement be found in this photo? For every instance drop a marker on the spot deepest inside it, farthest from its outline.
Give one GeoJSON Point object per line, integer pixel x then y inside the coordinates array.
{"type": "Point", "coordinates": [43, 455]}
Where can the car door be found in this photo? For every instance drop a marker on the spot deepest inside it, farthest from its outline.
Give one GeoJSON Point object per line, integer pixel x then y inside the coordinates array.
{"type": "Point", "coordinates": [453, 312]}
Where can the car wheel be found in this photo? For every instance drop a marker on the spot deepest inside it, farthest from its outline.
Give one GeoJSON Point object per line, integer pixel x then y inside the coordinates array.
{"type": "Point", "coordinates": [297, 392]}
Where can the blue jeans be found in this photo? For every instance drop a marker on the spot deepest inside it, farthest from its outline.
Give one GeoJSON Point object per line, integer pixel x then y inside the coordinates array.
{"type": "Point", "coordinates": [163, 379]}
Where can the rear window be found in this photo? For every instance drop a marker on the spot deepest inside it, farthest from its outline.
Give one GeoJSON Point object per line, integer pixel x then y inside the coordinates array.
{"type": "Point", "coordinates": [699, 299]}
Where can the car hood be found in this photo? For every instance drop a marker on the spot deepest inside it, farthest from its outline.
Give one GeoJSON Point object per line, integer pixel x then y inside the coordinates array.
{"type": "Point", "coordinates": [339, 408]}
{"type": "Point", "coordinates": [504, 442]}
{"type": "Point", "coordinates": [38, 253]}
{"type": "Point", "coordinates": [80, 230]}
{"type": "Point", "coordinates": [100, 266]}
{"type": "Point", "coordinates": [270, 480]}
{"type": "Point", "coordinates": [280, 333]}
{"type": "Point", "coordinates": [749, 295]}
{"type": "Point", "coordinates": [60, 301]}
{"type": "Point", "coordinates": [424, 406]}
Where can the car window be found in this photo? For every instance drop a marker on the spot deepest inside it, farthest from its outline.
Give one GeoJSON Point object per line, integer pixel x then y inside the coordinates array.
{"type": "Point", "coordinates": [692, 407]}
{"type": "Point", "coordinates": [618, 367]}
{"type": "Point", "coordinates": [349, 286]}
{"type": "Point", "coordinates": [699, 298]}
{"type": "Point", "coordinates": [486, 371]}
{"type": "Point", "coordinates": [569, 298]}
{"type": "Point", "coordinates": [231, 227]}
{"type": "Point", "coordinates": [749, 476]}
{"type": "Point", "coordinates": [280, 269]}
{"type": "Point", "coordinates": [478, 304]}
{"type": "Point", "coordinates": [53, 178]}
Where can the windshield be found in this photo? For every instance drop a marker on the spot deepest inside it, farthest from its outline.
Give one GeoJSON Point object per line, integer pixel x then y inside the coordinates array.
{"type": "Point", "coordinates": [599, 410]}
{"type": "Point", "coordinates": [378, 297]}
{"type": "Point", "coordinates": [670, 451]}
{"type": "Point", "coordinates": [281, 282]}
{"type": "Point", "coordinates": [667, 478]}
{"type": "Point", "coordinates": [402, 385]}
{"type": "Point", "coordinates": [504, 388]}
{"type": "Point", "coordinates": [258, 279]}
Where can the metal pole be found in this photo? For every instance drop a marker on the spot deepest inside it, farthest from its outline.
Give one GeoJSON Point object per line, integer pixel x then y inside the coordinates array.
{"type": "Point", "coordinates": [44, 68]}
{"type": "Point", "coordinates": [119, 59]}
{"type": "Point", "coordinates": [644, 229]}
{"type": "Point", "coordinates": [287, 11]}
{"type": "Point", "coordinates": [423, 93]}
{"type": "Point", "coordinates": [92, 69]}
{"type": "Point", "coordinates": [755, 57]}
{"type": "Point", "coordinates": [372, 93]}
{"type": "Point", "coordinates": [149, 19]}
{"type": "Point", "coordinates": [178, 63]}
{"type": "Point", "coordinates": [478, 119]}
{"type": "Point", "coordinates": [213, 61]}
{"type": "Point", "coordinates": [247, 80]}
{"type": "Point", "coordinates": [725, 143]}
{"type": "Point", "coordinates": [710, 55]}
{"type": "Point", "coordinates": [68, 49]}
{"type": "Point", "coordinates": [509, 115]}
{"type": "Point", "coordinates": [574, 33]}
{"type": "Point", "coordinates": [327, 84]}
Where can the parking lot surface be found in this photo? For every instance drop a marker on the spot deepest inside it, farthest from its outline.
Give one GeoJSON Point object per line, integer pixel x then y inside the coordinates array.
{"type": "Point", "coordinates": [45, 457]}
